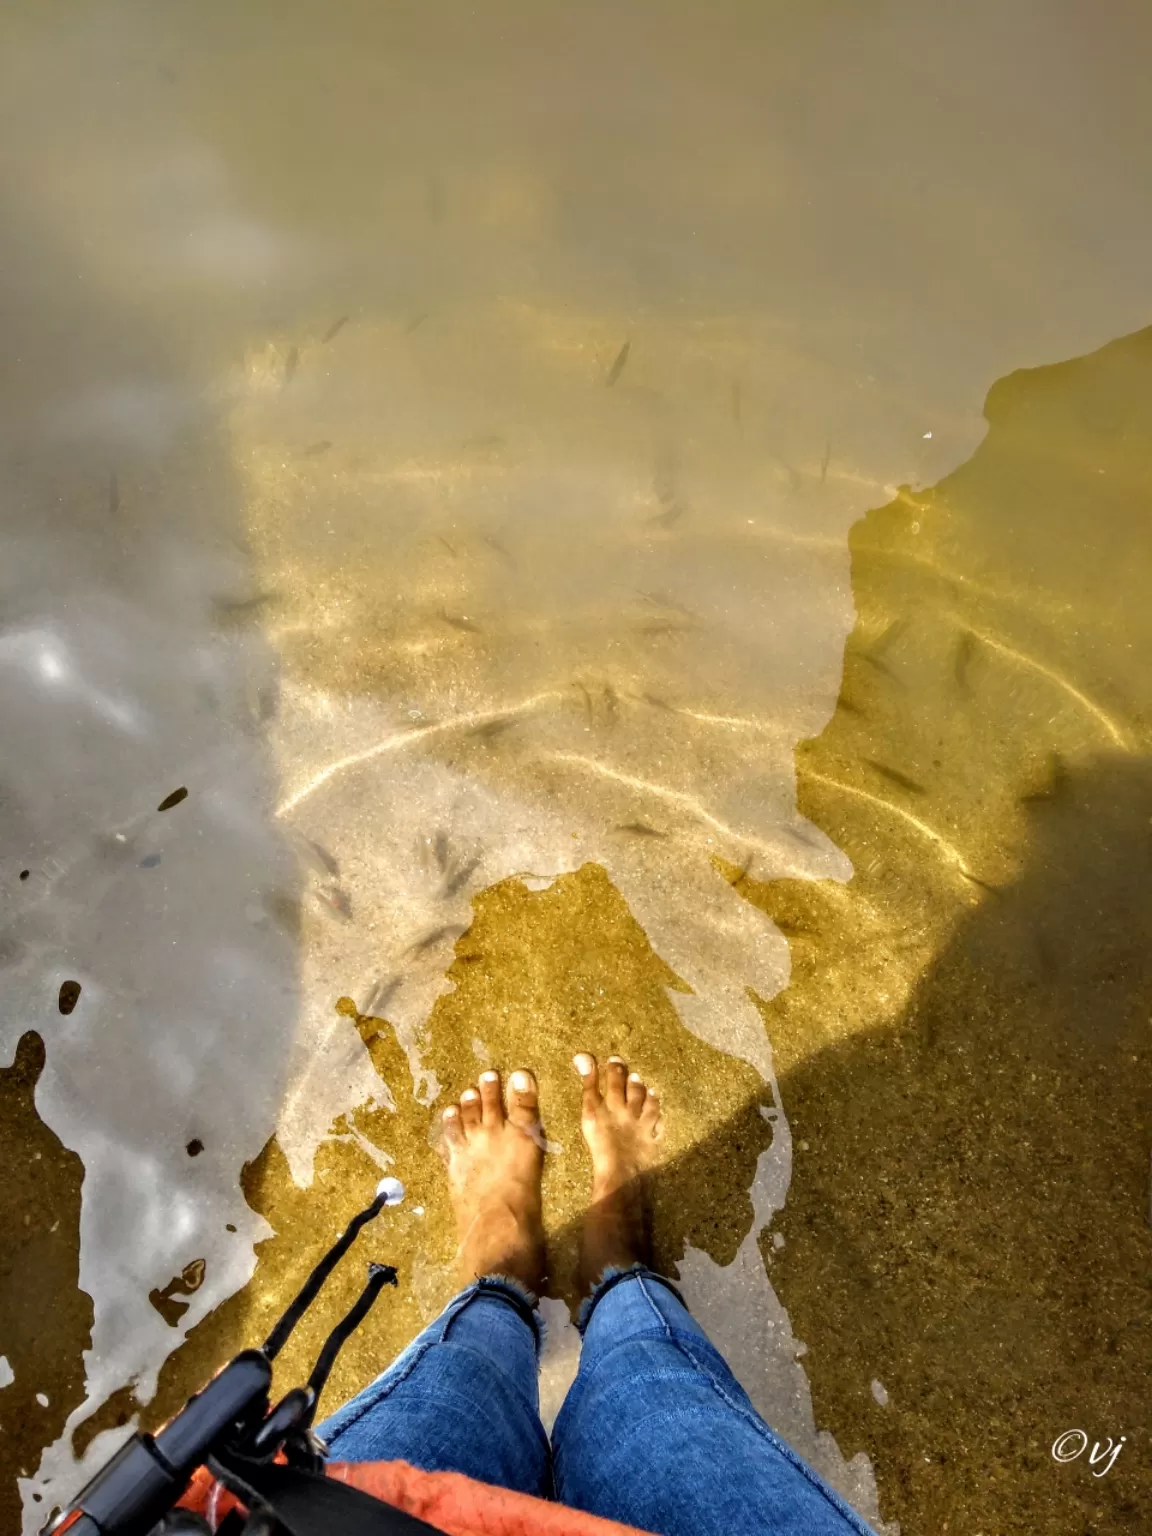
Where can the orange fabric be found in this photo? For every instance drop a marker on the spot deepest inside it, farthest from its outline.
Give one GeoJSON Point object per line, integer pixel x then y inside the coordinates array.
{"type": "Point", "coordinates": [450, 1501]}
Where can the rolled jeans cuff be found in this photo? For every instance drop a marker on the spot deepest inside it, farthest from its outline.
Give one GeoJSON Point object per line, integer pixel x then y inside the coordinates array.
{"type": "Point", "coordinates": [613, 1277]}
{"type": "Point", "coordinates": [522, 1301]}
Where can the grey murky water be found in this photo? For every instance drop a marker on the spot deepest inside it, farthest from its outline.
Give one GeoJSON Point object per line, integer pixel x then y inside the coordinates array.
{"type": "Point", "coordinates": [430, 434]}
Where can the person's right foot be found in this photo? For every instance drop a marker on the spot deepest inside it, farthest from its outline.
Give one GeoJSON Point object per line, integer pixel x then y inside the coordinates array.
{"type": "Point", "coordinates": [621, 1125]}
{"type": "Point", "coordinates": [494, 1161]}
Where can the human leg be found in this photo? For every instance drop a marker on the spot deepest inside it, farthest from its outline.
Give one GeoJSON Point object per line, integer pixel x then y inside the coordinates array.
{"type": "Point", "coordinates": [463, 1397]}
{"type": "Point", "coordinates": [656, 1432]}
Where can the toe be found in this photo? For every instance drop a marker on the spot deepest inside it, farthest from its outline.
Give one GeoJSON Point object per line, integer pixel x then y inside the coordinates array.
{"type": "Point", "coordinates": [470, 1109]}
{"type": "Point", "coordinates": [636, 1093]}
{"type": "Point", "coordinates": [491, 1099]}
{"type": "Point", "coordinates": [453, 1130]}
{"type": "Point", "coordinates": [523, 1100]}
{"type": "Point", "coordinates": [615, 1081]}
{"type": "Point", "coordinates": [585, 1064]}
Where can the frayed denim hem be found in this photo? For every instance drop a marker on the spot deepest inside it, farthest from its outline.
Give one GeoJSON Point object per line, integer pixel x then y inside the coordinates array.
{"type": "Point", "coordinates": [612, 1276]}
{"type": "Point", "coordinates": [518, 1297]}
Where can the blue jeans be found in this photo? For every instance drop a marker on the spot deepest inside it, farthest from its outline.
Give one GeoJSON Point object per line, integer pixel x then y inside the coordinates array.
{"type": "Point", "coordinates": [655, 1432]}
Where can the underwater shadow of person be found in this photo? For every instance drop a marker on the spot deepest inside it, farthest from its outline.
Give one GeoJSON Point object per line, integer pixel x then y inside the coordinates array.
{"type": "Point", "coordinates": [970, 1229]}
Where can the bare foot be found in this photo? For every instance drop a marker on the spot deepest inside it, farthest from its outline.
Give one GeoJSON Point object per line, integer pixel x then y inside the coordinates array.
{"type": "Point", "coordinates": [621, 1126]}
{"type": "Point", "coordinates": [494, 1162]}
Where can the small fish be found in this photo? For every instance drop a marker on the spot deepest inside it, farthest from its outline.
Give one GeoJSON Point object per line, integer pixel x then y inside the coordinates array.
{"type": "Point", "coordinates": [380, 994]}
{"type": "Point", "coordinates": [792, 930]}
{"type": "Point", "coordinates": [807, 837]}
{"type": "Point", "coordinates": [664, 478]}
{"type": "Point", "coordinates": [611, 704]}
{"type": "Point", "coordinates": [291, 363]}
{"type": "Point", "coordinates": [113, 494]}
{"type": "Point", "coordinates": [1057, 785]}
{"type": "Point", "coordinates": [440, 848]}
{"type": "Point", "coordinates": [877, 665]}
{"type": "Point", "coordinates": [336, 901]}
{"type": "Point", "coordinates": [993, 890]}
{"type": "Point", "coordinates": [666, 627]}
{"type": "Point", "coordinates": [334, 330]}
{"type": "Point", "coordinates": [235, 610]}
{"type": "Point", "coordinates": [448, 931]}
{"type": "Point", "coordinates": [966, 648]}
{"type": "Point", "coordinates": [742, 873]}
{"type": "Point", "coordinates": [641, 829]}
{"type": "Point", "coordinates": [12, 949]}
{"type": "Point", "coordinates": [894, 776]}
{"type": "Point", "coordinates": [736, 402]}
{"type": "Point", "coordinates": [887, 638]}
{"type": "Point", "coordinates": [319, 859]}
{"type": "Point", "coordinates": [150, 862]}
{"type": "Point", "coordinates": [662, 600]}
{"type": "Point", "coordinates": [587, 702]}
{"type": "Point", "coordinates": [284, 910]}
{"type": "Point", "coordinates": [1045, 957]}
{"type": "Point", "coordinates": [414, 325]}
{"type": "Point", "coordinates": [492, 728]}
{"type": "Point", "coordinates": [668, 519]}
{"type": "Point", "coordinates": [449, 547]}
{"type": "Point", "coordinates": [460, 621]}
{"type": "Point", "coordinates": [459, 878]}
{"type": "Point", "coordinates": [824, 462]}
{"type": "Point", "coordinates": [267, 702]}
{"type": "Point", "coordinates": [617, 367]}
{"type": "Point", "coordinates": [497, 548]}
{"type": "Point", "coordinates": [657, 703]}
{"type": "Point", "coordinates": [314, 450]}
{"type": "Point", "coordinates": [173, 799]}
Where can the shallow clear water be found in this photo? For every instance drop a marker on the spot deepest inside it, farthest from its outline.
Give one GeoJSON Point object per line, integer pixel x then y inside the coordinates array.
{"type": "Point", "coordinates": [431, 436]}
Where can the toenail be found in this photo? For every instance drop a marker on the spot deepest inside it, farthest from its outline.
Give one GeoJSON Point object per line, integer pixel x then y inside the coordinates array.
{"type": "Point", "coordinates": [489, 1077]}
{"type": "Point", "coordinates": [469, 1094]}
{"type": "Point", "coordinates": [583, 1064]}
{"type": "Point", "coordinates": [451, 1112]}
{"type": "Point", "coordinates": [634, 1077]}
{"type": "Point", "coordinates": [619, 1060]}
{"type": "Point", "coordinates": [521, 1082]}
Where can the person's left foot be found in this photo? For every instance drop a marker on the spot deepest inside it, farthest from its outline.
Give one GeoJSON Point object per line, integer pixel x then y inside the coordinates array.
{"type": "Point", "coordinates": [495, 1158]}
